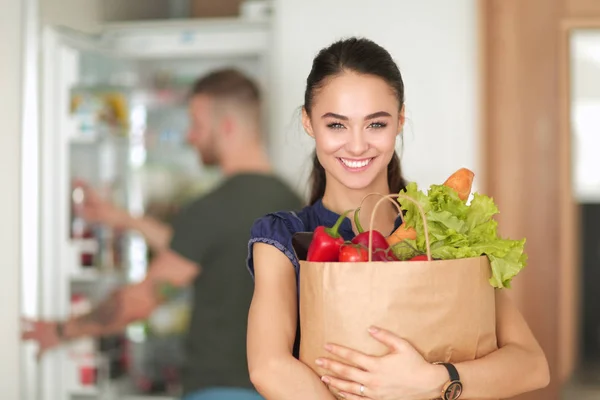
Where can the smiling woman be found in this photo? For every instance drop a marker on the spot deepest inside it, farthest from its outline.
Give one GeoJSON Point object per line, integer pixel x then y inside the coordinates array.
{"type": "Point", "coordinates": [357, 120]}
{"type": "Point", "coordinates": [354, 110]}
{"type": "Point", "coordinates": [355, 123]}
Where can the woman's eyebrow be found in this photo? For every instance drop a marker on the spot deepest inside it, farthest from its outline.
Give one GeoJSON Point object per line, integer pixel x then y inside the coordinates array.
{"type": "Point", "coordinates": [334, 115]}
{"type": "Point", "coordinates": [368, 117]}
{"type": "Point", "coordinates": [377, 115]}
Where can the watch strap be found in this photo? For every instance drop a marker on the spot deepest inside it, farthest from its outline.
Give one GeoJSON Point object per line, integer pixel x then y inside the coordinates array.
{"type": "Point", "coordinates": [60, 330]}
{"type": "Point", "coordinates": [452, 371]}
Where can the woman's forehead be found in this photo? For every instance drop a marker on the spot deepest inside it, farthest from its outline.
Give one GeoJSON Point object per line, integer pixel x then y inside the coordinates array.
{"type": "Point", "coordinates": [355, 95]}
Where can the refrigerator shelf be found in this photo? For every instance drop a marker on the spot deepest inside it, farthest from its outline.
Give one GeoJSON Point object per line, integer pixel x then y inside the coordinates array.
{"type": "Point", "coordinates": [93, 275]}
{"type": "Point", "coordinates": [95, 137]}
{"type": "Point", "coordinates": [85, 391]}
{"type": "Point", "coordinates": [84, 139]}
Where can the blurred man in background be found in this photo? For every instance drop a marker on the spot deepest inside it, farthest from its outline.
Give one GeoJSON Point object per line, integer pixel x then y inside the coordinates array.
{"type": "Point", "coordinates": [205, 246]}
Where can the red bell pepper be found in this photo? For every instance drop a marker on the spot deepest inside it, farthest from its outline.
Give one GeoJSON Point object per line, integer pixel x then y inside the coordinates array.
{"type": "Point", "coordinates": [326, 243]}
{"type": "Point", "coordinates": [353, 253]}
{"type": "Point", "coordinates": [420, 257]}
{"type": "Point", "coordinates": [379, 242]}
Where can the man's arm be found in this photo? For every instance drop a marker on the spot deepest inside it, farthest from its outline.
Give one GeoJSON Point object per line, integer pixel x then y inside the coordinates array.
{"type": "Point", "coordinates": [133, 302]}
{"type": "Point", "coordinates": [157, 234]}
{"type": "Point", "coordinates": [96, 209]}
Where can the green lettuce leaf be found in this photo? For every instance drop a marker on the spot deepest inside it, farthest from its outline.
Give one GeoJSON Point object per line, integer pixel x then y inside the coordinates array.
{"type": "Point", "coordinates": [405, 250]}
{"type": "Point", "coordinates": [459, 230]}
{"type": "Point", "coordinates": [481, 210]}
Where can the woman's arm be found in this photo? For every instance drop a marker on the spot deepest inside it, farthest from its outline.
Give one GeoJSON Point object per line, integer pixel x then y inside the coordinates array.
{"type": "Point", "coordinates": [518, 366]}
{"type": "Point", "coordinates": [272, 321]}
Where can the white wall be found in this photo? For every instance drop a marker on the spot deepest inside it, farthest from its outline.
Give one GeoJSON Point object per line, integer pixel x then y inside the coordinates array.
{"type": "Point", "coordinates": [10, 109]}
{"type": "Point", "coordinates": [585, 62]}
{"type": "Point", "coordinates": [435, 45]}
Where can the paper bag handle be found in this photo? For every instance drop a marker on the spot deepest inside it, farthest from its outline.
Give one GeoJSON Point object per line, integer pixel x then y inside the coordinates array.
{"type": "Point", "coordinates": [395, 203]}
{"type": "Point", "coordinates": [421, 211]}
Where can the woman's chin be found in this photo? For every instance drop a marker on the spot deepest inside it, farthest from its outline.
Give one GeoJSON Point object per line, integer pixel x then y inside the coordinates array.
{"type": "Point", "coordinates": [362, 184]}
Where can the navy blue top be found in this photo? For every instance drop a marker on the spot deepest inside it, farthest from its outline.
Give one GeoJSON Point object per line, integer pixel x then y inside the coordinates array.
{"type": "Point", "coordinates": [278, 229]}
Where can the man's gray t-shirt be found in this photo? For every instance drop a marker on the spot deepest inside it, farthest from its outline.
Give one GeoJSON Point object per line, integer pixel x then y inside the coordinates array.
{"type": "Point", "coordinates": [214, 231]}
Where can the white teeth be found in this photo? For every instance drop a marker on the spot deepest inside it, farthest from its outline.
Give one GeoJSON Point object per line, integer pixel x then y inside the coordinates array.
{"type": "Point", "coordinates": [356, 164]}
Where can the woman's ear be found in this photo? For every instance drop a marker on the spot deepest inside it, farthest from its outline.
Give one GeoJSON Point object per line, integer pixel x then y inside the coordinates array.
{"type": "Point", "coordinates": [306, 123]}
{"type": "Point", "coordinates": [401, 120]}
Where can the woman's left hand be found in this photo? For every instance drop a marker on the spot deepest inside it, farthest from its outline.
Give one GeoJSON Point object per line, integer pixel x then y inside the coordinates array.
{"type": "Point", "coordinates": [402, 374]}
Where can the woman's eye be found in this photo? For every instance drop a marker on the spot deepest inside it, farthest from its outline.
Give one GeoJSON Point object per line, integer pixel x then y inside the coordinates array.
{"type": "Point", "coordinates": [378, 125]}
{"type": "Point", "coordinates": [335, 125]}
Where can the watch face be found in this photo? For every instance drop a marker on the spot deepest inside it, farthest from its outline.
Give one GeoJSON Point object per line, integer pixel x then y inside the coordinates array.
{"type": "Point", "coordinates": [453, 391]}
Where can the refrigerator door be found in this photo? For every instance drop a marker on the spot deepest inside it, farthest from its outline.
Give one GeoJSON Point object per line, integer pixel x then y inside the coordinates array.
{"type": "Point", "coordinates": [73, 145]}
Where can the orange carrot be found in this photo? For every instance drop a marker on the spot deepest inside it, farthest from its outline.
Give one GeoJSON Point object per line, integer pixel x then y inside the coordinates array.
{"type": "Point", "coordinates": [461, 181]}
{"type": "Point", "coordinates": [400, 234]}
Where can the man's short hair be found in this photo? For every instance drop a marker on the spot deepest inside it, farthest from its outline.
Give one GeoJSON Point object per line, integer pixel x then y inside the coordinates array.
{"type": "Point", "coordinates": [229, 84]}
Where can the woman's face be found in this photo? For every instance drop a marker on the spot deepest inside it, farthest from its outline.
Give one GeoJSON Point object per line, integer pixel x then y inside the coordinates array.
{"type": "Point", "coordinates": [355, 120]}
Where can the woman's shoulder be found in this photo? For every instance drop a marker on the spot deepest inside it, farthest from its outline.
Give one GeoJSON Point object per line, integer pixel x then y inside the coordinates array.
{"type": "Point", "coordinates": [278, 229]}
{"type": "Point", "coordinates": [285, 223]}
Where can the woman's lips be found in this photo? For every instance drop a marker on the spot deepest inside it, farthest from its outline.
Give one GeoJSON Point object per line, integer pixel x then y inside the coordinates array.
{"type": "Point", "coordinates": [355, 165]}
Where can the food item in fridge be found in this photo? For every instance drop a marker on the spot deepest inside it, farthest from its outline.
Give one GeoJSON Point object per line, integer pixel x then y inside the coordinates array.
{"type": "Point", "coordinates": [81, 231]}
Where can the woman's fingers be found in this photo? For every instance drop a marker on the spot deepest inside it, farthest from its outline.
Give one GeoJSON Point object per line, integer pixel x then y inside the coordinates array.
{"type": "Point", "coordinates": [347, 389]}
{"type": "Point", "coordinates": [345, 372]}
{"type": "Point", "coordinates": [352, 356]}
{"type": "Point", "coordinates": [386, 337]}
{"type": "Point", "coordinates": [350, 396]}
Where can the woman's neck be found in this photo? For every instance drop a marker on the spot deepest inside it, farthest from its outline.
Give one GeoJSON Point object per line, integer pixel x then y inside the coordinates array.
{"type": "Point", "coordinates": [339, 199]}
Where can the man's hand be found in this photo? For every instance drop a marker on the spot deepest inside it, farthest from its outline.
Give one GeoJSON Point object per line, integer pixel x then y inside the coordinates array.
{"type": "Point", "coordinates": [168, 272]}
{"type": "Point", "coordinates": [95, 209]}
{"type": "Point", "coordinates": [43, 332]}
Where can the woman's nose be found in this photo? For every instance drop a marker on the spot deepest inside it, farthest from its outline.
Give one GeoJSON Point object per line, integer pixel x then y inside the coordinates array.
{"type": "Point", "coordinates": [357, 143]}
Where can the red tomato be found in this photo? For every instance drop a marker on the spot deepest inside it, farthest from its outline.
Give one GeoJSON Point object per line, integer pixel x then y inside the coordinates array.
{"type": "Point", "coordinates": [422, 257]}
{"type": "Point", "coordinates": [353, 253]}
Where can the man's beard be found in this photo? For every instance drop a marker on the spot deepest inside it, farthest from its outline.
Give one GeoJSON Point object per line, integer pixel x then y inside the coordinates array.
{"type": "Point", "coordinates": [208, 156]}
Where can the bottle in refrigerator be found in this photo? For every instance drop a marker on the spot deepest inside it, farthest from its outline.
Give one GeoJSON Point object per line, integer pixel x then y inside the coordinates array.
{"type": "Point", "coordinates": [82, 232]}
{"type": "Point", "coordinates": [83, 350]}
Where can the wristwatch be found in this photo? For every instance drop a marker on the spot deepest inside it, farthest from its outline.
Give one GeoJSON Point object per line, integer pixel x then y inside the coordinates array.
{"type": "Point", "coordinates": [60, 330]}
{"type": "Point", "coordinates": [453, 389]}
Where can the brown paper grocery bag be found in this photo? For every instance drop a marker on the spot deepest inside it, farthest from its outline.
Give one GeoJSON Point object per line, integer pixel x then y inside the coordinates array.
{"type": "Point", "coordinates": [445, 309]}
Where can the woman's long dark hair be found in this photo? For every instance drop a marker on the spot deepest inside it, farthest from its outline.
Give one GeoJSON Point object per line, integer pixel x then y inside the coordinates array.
{"type": "Point", "coordinates": [364, 57]}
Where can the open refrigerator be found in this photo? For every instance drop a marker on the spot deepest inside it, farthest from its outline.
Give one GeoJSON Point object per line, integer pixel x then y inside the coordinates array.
{"type": "Point", "coordinates": [114, 114]}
